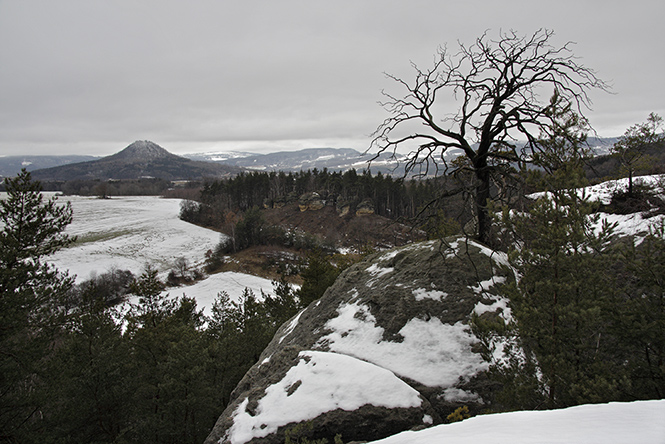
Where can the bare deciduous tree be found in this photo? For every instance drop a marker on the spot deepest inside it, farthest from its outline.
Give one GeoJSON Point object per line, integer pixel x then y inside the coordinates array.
{"type": "Point", "coordinates": [483, 102]}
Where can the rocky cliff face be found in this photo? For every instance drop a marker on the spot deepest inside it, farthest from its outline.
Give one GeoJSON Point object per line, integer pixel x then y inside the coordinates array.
{"type": "Point", "coordinates": [387, 348]}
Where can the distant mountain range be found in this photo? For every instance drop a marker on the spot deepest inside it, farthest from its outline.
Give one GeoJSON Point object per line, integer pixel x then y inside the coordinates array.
{"type": "Point", "coordinates": [11, 165]}
{"type": "Point", "coordinates": [147, 159]}
{"type": "Point", "coordinates": [334, 159]}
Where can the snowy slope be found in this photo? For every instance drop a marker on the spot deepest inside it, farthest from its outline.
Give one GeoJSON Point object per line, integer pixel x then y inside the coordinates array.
{"type": "Point", "coordinates": [129, 232]}
{"type": "Point", "coordinates": [641, 422]}
{"type": "Point", "coordinates": [636, 224]}
{"type": "Point", "coordinates": [234, 284]}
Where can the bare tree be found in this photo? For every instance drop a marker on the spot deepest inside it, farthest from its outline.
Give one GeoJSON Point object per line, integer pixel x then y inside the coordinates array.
{"type": "Point", "coordinates": [499, 114]}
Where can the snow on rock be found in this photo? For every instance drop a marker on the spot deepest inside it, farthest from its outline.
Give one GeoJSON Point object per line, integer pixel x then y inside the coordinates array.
{"type": "Point", "coordinates": [423, 293]}
{"type": "Point", "coordinates": [613, 423]}
{"type": "Point", "coordinates": [431, 353]}
{"type": "Point", "coordinates": [405, 312]}
{"type": "Point", "coordinates": [498, 306]}
{"type": "Point", "coordinates": [321, 382]}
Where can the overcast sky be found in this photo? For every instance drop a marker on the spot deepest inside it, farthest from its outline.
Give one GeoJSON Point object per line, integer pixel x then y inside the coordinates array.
{"type": "Point", "coordinates": [91, 77]}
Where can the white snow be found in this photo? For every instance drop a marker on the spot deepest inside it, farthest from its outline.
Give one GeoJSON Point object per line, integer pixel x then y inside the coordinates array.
{"type": "Point", "coordinates": [627, 224]}
{"type": "Point", "coordinates": [422, 294]}
{"type": "Point", "coordinates": [641, 422]}
{"type": "Point", "coordinates": [432, 353]}
{"type": "Point", "coordinates": [393, 253]}
{"type": "Point", "coordinates": [233, 283]}
{"type": "Point", "coordinates": [129, 232]}
{"type": "Point", "coordinates": [484, 286]}
{"type": "Point", "coordinates": [454, 394]}
{"type": "Point", "coordinates": [603, 192]}
{"type": "Point", "coordinates": [499, 257]}
{"type": "Point", "coordinates": [292, 325]}
{"type": "Point", "coordinates": [319, 383]}
{"type": "Point", "coordinates": [500, 305]}
{"type": "Point", "coordinates": [377, 271]}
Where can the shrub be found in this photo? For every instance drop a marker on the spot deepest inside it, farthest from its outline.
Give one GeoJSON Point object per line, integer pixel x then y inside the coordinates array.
{"type": "Point", "coordinates": [460, 414]}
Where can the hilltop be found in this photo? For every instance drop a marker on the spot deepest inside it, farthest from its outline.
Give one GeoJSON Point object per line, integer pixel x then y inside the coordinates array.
{"type": "Point", "coordinates": [141, 159]}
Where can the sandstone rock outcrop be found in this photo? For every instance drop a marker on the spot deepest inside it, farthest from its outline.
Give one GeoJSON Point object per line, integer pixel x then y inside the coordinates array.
{"type": "Point", "coordinates": [387, 348]}
{"type": "Point", "coordinates": [365, 207]}
{"type": "Point", "coordinates": [311, 202]}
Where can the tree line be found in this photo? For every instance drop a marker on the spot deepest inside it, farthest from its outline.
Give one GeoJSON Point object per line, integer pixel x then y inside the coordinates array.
{"type": "Point", "coordinates": [392, 198]}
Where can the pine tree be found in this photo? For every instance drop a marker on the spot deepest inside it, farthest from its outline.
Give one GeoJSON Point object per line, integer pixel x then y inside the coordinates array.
{"type": "Point", "coordinates": [639, 319]}
{"type": "Point", "coordinates": [87, 389]}
{"type": "Point", "coordinates": [318, 275]}
{"type": "Point", "coordinates": [168, 368]}
{"type": "Point", "coordinates": [560, 299]}
{"type": "Point", "coordinates": [31, 294]}
{"type": "Point", "coordinates": [631, 148]}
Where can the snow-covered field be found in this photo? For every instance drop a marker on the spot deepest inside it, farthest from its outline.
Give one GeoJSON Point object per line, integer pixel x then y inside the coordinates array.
{"type": "Point", "coordinates": [129, 232]}
{"type": "Point", "coordinates": [640, 422]}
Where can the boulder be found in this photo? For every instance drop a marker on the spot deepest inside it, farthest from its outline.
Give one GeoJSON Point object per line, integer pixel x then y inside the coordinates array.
{"type": "Point", "coordinates": [343, 206]}
{"type": "Point", "coordinates": [311, 202]}
{"type": "Point", "coordinates": [387, 348]}
{"type": "Point", "coordinates": [365, 207]}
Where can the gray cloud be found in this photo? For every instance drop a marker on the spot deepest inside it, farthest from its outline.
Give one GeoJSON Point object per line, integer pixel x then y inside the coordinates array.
{"type": "Point", "coordinates": [91, 76]}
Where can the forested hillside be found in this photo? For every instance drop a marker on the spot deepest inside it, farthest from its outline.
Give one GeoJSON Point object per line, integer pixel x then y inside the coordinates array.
{"type": "Point", "coordinates": [391, 197]}
{"type": "Point", "coordinates": [347, 192]}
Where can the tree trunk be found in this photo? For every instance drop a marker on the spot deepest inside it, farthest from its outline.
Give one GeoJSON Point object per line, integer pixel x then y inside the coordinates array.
{"type": "Point", "coordinates": [482, 212]}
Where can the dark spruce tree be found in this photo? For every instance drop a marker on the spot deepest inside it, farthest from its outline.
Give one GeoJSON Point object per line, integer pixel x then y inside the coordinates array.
{"type": "Point", "coordinates": [31, 298]}
{"type": "Point", "coordinates": [563, 352]}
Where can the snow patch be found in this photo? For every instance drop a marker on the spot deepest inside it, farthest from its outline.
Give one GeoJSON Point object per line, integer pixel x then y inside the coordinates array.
{"type": "Point", "coordinates": [319, 383]}
{"type": "Point", "coordinates": [613, 423]}
{"type": "Point", "coordinates": [454, 394]}
{"type": "Point", "coordinates": [393, 253]}
{"type": "Point", "coordinates": [484, 286]}
{"type": "Point", "coordinates": [291, 327]}
{"type": "Point", "coordinates": [377, 272]}
{"type": "Point", "coordinates": [232, 283]}
{"type": "Point", "coordinates": [497, 256]}
{"type": "Point", "coordinates": [422, 293]}
{"type": "Point", "coordinates": [500, 305]}
{"type": "Point", "coordinates": [432, 353]}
